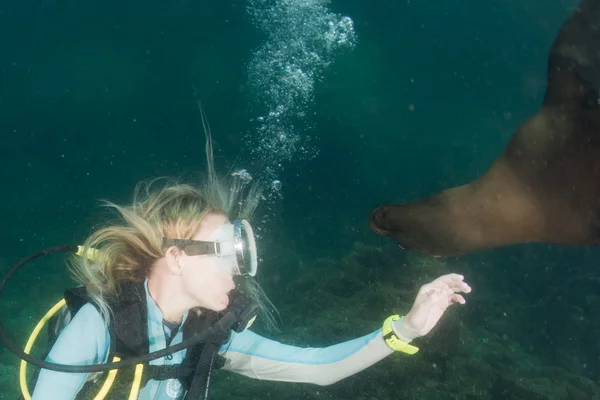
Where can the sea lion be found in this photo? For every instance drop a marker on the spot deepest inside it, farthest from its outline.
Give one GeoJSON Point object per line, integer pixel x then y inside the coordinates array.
{"type": "Point", "coordinates": [545, 187]}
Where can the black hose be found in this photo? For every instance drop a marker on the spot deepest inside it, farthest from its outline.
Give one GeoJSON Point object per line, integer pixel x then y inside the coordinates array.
{"type": "Point", "coordinates": [201, 379]}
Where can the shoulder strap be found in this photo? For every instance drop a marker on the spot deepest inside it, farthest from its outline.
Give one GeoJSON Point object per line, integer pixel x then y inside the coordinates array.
{"type": "Point", "coordinates": [130, 320]}
{"type": "Point", "coordinates": [128, 326]}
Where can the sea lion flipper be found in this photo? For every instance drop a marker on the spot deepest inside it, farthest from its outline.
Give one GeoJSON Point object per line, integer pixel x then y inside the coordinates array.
{"type": "Point", "coordinates": [574, 62]}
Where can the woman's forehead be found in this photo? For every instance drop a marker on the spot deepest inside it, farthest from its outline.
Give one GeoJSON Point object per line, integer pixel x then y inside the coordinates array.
{"type": "Point", "coordinates": [209, 224]}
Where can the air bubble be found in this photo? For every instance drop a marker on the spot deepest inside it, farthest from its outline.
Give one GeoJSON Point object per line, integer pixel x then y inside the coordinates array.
{"type": "Point", "coordinates": [243, 175]}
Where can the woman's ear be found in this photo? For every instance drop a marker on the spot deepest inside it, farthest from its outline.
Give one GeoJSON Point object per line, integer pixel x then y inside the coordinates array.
{"type": "Point", "coordinates": [173, 257]}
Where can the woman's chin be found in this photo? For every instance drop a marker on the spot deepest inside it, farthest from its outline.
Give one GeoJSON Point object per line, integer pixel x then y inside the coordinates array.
{"type": "Point", "coordinates": [223, 304]}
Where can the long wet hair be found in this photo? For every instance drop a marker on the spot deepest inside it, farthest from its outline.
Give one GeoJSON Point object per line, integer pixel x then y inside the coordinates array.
{"type": "Point", "coordinates": [128, 248]}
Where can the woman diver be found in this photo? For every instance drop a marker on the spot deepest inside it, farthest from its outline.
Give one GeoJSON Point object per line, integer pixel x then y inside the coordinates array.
{"type": "Point", "coordinates": [166, 272]}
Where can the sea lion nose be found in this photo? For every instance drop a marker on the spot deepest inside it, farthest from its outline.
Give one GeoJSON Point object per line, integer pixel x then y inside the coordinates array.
{"type": "Point", "coordinates": [381, 224]}
{"type": "Point", "coordinates": [377, 218]}
{"type": "Point", "coordinates": [377, 213]}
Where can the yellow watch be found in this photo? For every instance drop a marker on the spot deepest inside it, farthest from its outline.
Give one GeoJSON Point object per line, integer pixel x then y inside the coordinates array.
{"type": "Point", "coordinates": [394, 341]}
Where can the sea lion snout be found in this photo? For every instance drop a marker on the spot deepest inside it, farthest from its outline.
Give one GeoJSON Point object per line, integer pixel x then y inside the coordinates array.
{"type": "Point", "coordinates": [377, 220]}
{"type": "Point", "coordinates": [382, 222]}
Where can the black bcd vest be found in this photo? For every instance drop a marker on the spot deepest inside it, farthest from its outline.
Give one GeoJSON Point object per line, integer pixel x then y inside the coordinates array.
{"type": "Point", "coordinates": [128, 331]}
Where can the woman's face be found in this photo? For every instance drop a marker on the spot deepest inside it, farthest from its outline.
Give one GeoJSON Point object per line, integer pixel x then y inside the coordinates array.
{"type": "Point", "coordinates": [208, 279]}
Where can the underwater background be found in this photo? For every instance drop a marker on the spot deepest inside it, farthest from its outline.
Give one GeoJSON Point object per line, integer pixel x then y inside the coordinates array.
{"type": "Point", "coordinates": [338, 106]}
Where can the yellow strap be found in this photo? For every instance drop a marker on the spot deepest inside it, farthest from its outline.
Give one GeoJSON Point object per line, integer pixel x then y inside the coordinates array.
{"type": "Point", "coordinates": [29, 345]}
{"type": "Point", "coordinates": [137, 380]}
{"type": "Point", "coordinates": [23, 367]}
{"type": "Point", "coordinates": [110, 379]}
{"type": "Point", "coordinates": [394, 341]}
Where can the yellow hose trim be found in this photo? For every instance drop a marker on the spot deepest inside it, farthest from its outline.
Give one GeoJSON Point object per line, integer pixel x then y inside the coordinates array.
{"type": "Point", "coordinates": [137, 380]}
{"type": "Point", "coordinates": [92, 254]}
{"type": "Point", "coordinates": [29, 345]}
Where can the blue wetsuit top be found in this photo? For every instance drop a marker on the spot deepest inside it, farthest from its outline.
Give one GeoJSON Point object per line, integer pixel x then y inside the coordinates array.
{"type": "Point", "coordinates": [85, 340]}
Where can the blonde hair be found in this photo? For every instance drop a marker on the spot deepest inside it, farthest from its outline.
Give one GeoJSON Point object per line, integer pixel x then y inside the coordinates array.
{"type": "Point", "coordinates": [128, 248]}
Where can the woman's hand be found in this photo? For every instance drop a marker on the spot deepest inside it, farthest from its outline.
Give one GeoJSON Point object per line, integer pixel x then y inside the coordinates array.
{"type": "Point", "coordinates": [431, 302]}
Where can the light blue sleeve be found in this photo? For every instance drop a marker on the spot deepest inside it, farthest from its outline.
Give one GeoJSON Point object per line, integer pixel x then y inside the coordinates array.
{"type": "Point", "coordinates": [84, 341]}
{"type": "Point", "coordinates": [252, 344]}
{"type": "Point", "coordinates": [257, 357]}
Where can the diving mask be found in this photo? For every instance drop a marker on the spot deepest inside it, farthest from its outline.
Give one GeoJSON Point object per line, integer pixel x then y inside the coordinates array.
{"type": "Point", "coordinates": [233, 244]}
